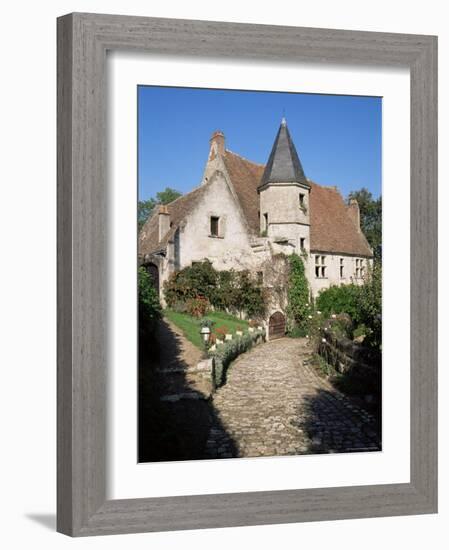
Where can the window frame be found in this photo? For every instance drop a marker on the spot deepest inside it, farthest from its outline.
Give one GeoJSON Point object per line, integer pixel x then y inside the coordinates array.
{"type": "Point", "coordinates": [320, 266]}
{"type": "Point", "coordinates": [211, 222]}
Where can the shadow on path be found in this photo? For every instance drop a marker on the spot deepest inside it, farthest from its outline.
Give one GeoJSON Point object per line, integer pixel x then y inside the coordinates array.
{"type": "Point", "coordinates": [175, 411]}
{"type": "Point", "coordinates": [333, 423]}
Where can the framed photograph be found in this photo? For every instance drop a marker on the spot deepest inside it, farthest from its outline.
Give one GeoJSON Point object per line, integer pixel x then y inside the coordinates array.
{"type": "Point", "coordinates": [247, 274]}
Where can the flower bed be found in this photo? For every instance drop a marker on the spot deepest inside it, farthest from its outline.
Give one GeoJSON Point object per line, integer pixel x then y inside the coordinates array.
{"type": "Point", "coordinates": [226, 352]}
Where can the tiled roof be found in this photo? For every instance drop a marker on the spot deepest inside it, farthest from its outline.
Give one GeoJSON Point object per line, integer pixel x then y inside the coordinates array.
{"type": "Point", "coordinates": [245, 177]}
{"type": "Point", "coordinates": [178, 210]}
{"type": "Point", "coordinates": [331, 227]}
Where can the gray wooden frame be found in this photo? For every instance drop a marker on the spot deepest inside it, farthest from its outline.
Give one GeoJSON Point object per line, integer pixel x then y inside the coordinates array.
{"type": "Point", "coordinates": [83, 40]}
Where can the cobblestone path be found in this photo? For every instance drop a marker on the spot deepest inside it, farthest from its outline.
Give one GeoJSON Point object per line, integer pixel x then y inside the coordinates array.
{"type": "Point", "coordinates": [273, 403]}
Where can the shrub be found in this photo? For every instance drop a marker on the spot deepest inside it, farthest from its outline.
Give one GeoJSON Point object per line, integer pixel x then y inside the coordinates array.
{"type": "Point", "coordinates": [198, 306]}
{"type": "Point", "coordinates": [314, 324]}
{"type": "Point", "coordinates": [362, 303]}
{"type": "Point", "coordinates": [370, 306]}
{"type": "Point", "coordinates": [339, 299]}
{"type": "Point", "coordinates": [149, 306]}
{"type": "Point", "coordinates": [361, 330]}
{"type": "Point", "coordinates": [221, 332]}
{"type": "Point", "coordinates": [179, 307]}
{"type": "Point", "coordinates": [298, 291]}
{"type": "Point", "coordinates": [247, 295]}
{"type": "Point", "coordinates": [228, 351]}
{"type": "Point", "coordinates": [298, 331]}
{"type": "Point", "coordinates": [225, 290]}
{"type": "Point", "coordinates": [205, 322]}
{"type": "Point", "coordinates": [197, 280]}
{"type": "Point", "coordinates": [230, 290]}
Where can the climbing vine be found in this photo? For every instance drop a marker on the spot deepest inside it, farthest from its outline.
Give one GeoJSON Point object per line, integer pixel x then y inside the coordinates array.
{"type": "Point", "coordinates": [298, 292]}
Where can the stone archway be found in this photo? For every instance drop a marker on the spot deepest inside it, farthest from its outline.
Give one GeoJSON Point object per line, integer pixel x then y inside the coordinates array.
{"type": "Point", "coordinates": [276, 325]}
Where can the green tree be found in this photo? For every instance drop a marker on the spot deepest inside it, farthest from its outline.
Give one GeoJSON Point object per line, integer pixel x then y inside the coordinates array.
{"type": "Point", "coordinates": [144, 208]}
{"type": "Point", "coordinates": [370, 218]}
{"type": "Point", "coordinates": [298, 291]}
{"type": "Point", "coordinates": [369, 302]}
{"type": "Point", "coordinates": [167, 195]}
{"type": "Point", "coordinates": [149, 306]}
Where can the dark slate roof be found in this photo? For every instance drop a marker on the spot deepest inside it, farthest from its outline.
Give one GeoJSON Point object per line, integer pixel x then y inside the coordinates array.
{"type": "Point", "coordinates": [283, 165]}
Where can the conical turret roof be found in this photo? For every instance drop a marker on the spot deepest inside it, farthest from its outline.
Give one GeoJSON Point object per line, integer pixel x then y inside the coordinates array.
{"type": "Point", "coordinates": [283, 165]}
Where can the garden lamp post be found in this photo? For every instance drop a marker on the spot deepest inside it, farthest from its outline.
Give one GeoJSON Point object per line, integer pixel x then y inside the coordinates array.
{"type": "Point", "coordinates": [205, 333]}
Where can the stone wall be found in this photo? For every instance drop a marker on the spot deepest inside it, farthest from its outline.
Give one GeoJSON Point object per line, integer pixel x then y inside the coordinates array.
{"type": "Point", "coordinates": [349, 357]}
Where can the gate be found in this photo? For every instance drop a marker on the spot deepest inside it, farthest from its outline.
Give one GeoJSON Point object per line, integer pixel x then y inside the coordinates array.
{"type": "Point", "coordinates": [276, 326]}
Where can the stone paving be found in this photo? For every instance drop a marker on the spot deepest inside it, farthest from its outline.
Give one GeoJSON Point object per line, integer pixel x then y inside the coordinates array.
{"type": "Point", "coordinates": [274, 403]}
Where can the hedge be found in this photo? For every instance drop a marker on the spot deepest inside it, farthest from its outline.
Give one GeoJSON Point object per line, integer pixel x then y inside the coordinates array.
{"type": "Point", "coordinates": [229, 350]}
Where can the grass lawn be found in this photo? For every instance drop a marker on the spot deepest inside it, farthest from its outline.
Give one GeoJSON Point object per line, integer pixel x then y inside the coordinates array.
{"type": "Point", "coordinates": [190, 326]}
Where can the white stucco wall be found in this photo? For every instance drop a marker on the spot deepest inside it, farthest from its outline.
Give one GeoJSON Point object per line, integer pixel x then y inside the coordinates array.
{"type": "Point", "coordinates": [332, 272]}
{"type": "Point", "coordinates": [231, 249]}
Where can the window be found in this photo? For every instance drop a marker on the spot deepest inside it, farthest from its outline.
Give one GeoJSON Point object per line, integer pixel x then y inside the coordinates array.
{"type": "Point", "coordinates": [342, 269]}
{"type": "Point", "coordinates": [320, 267]}
{"type": "Point", "coordinates": [214, 223]}
{"type": "Point", "coordinates": [302, 243]}
{"type": "Point", "coordinates": [265, 221]}
{"type": "Point", "coordinates": [359, 268]}
{"type": "Point", "coordinates": [301, 200]}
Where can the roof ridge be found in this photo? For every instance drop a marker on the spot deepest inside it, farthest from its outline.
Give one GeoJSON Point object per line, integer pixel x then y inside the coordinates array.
{"type": "Point", "coordinates": [335, 188]}
{"type": "Point", "coordinates": [183, 196]}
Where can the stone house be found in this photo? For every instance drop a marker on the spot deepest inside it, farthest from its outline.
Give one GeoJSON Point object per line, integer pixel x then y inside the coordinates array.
{"type": "Point", "coordinates": [244, 215]}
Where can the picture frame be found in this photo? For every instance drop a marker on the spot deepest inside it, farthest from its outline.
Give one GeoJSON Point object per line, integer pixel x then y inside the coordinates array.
{"type": "Point", "coordinates": [83, 41]}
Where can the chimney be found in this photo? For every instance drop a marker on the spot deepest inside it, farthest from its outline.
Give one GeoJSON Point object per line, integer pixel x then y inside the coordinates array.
{"type": "Point", "coordinates": [217, 144]}
{"type": "Point", "coordinates": [164, 221]}
{"type": "Point", "coordinates": [354, 212]}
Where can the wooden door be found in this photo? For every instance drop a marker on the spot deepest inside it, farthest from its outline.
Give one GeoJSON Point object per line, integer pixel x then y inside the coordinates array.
{"type": "Point", "coordinates": [276, 326]}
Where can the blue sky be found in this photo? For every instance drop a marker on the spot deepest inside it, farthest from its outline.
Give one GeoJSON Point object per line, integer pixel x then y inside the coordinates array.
{"type": "Point", "coordinates": [338, 138]}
